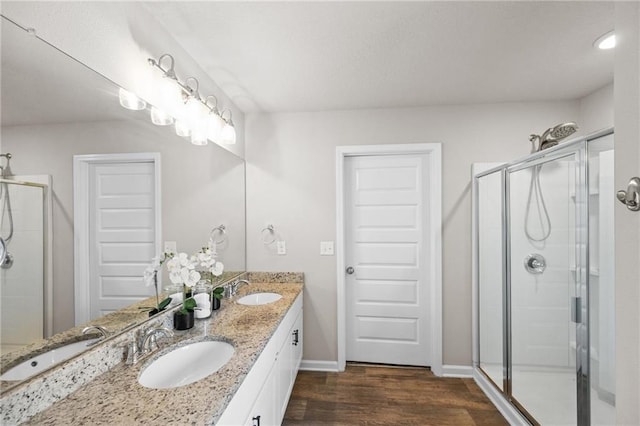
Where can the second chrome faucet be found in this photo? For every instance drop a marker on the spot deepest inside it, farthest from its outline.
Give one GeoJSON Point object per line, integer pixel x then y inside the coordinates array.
{"type": "Point", "coordinates": [145, 344]}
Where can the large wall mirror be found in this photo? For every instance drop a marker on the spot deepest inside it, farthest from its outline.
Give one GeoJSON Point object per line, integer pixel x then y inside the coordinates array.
{"type": "Point", "coordinates": [54, 109]}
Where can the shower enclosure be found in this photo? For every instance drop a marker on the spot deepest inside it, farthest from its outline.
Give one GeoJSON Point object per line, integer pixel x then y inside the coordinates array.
{"type": "Point", "coordinates": [25, 296]}
{"type": "Point", "coordinates": [544, 284]}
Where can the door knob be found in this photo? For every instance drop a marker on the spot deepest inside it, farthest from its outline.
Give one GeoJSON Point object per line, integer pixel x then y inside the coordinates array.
{"type": "Point", "coordinates": [350, 270]}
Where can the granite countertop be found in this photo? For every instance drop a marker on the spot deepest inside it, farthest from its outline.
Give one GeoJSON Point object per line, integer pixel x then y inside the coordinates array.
{"type": "Point", "coordinates": [116, 397]}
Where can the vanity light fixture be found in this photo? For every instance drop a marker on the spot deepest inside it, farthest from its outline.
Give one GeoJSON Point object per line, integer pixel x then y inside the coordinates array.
{"type": "Point", "coordinates": [159, 117]}
{"type": "Point", "coordinates": [228, 133]}
{"type": "Point", "coordinates": [194, 117]}
{"type": "Point", "coordinates": [130, 101]}
{"type": "Point", "coordinates": [606, 41]}
{"type": "Point", "coordinates": [182, 129]}
{"type": "Point", "coordinates": [215, 122]}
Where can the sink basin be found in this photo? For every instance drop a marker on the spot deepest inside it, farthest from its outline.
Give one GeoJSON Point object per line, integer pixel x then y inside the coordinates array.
{"type": "Point", "coordinates": [41, 362]}
{"type": "Point", "coordinates": [259, 298]}
{"type": "Point", "coordinates": [186, 364]}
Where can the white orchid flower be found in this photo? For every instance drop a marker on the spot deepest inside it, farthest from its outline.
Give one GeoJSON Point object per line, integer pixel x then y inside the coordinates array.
{"type": "Point", "coordinates": [217, 269]}
{"type": "Point", "coordinates": [149, 273]}
{"type": "Point", "coordinates": [192, 278]}
{"type": "Point", "coordinates": [184, 260]}
{"type": "Point", "coordinates": [175, 276]}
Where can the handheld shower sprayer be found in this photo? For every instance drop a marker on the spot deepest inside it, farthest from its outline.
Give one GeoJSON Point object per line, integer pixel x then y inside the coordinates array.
{"type": "Point", "coordinates": [553, 135]}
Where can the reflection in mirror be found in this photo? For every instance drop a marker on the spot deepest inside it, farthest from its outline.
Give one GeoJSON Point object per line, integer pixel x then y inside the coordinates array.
{"type": "Point", "coordinates": [55, 109]}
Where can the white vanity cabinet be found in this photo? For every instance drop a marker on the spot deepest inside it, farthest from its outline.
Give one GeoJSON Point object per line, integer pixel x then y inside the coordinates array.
{"type": "Point", "coordinates": [264, 394]}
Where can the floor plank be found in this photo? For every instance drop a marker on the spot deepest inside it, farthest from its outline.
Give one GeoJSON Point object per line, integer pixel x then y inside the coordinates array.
{"type": "Point", "coordinates": [383, 395]}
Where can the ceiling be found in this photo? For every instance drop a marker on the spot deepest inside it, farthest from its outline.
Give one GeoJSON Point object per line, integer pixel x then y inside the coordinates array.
{"type": "Point", "coordinates": [318, 56]}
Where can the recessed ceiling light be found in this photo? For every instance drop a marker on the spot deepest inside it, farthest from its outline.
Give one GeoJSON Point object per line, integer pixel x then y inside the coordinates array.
{"type": "Point", "coordinates": [606, 41]}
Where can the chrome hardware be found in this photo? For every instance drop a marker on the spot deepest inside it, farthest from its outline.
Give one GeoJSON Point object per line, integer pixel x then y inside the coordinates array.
{"type": "Point", "coordinates": [148, 343]}
{"type": "Point", "coordinates": [576, 305]}
{"type": "Point", "coordinates": [268, 237]}
{"type": "Point", "coordinates": [535, 263]}
{"type": "Point", "coordinates": [350, 270]}
{"type": "Point", "coordinates": [631, 197]}
{"type": "Point", "coordinates": [103, 331]}
{"type": "Point", "coordinates": [145, 344]}
{"type": "Point", "coordinates": [231, 290]}
{"type": "Point", "coordinates": [132, 353]}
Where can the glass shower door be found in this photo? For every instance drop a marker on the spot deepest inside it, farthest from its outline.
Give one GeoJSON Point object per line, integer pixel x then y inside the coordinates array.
{"type": "Point", "coordinates": [546, 287]}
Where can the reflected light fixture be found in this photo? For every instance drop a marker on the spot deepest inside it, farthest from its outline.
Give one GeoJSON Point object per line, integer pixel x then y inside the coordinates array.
{"type": "Point", "coordinates": [130, 100]}
{"type": "Point", "coordinates": [214, 120]}
{"type": "Point", "coordinates": [181, 104]}
{"type": "Point", "coordinates": [159, 117]}
{"type": "Point", "coordinates": [182, 129]}
{"type": "Point", "coordinates": [228, 133]}
{"type": "Point", "coordinates": [606, 41]}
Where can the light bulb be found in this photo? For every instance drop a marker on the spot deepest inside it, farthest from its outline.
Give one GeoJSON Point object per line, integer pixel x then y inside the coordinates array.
{"type": "Point", "coordinates": [606, 41]}
{"type": "Point", "coordinates": [169, 95]}
{"type": "Point", "coordinates": [228, 134]}
{"type": "Point", "coordinates": [199, 133]}
{"type": "Point", "coordinates": [130, 100]}
{"type": "Point", "coordinates": [182, 129]}
{"type": "Point", "coordinates": [159, 117]}
{"type": "Point", "coordinates": [216, 124]}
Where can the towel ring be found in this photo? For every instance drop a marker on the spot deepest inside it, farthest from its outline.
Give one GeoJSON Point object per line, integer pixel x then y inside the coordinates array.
{"type": "Point", "coordinates": [269, 237]}
{"type": "Point", "coordinates": [222, 235]}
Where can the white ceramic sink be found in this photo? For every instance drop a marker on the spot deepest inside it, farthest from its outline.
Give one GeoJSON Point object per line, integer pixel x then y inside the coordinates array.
{"type": "Point", "coordinates": [41, 362]}
{"type": "Point", "coordinates": [186, 364]}
{"type": "Point", "coordinates": [259, 298]}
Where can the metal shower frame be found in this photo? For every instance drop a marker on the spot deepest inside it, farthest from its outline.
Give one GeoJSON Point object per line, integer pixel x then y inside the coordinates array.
{"type": "Point", "coordinates": [577, 147]}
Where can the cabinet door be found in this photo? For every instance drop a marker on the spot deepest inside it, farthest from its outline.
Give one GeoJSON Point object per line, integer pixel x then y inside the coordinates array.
{"type": "Point", "coordinates": [263, 412]}
{"type": "Point", "coordinates": [297, 346]}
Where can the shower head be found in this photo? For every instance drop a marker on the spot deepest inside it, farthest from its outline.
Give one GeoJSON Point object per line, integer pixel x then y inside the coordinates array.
{"type": "Point", "coordinates": [553, 135]}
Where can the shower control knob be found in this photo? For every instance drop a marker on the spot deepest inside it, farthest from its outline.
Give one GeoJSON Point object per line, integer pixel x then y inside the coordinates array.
{"type": "Point", "coordinates": [535, 263]}
{"type": "Point", "coordinates": [350, 270]}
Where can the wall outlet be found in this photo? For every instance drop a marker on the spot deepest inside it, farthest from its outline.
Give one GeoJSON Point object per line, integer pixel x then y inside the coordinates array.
{"type": "Point", "coordinates": [281, 246]}
{"type": "Point", "coordinates": [170, 246]}
{"type": "Point", "coordinates": [326, 248]}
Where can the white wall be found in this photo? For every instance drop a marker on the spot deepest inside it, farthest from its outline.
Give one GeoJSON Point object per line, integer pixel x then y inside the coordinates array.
{"type": "Point", "coordinates": [596, 110]}
{"type": "Point", "coordinates": [627, 223]}
{"type": "Point", "coordinates": [202, 187]}
{"type": "Point", "coordinates": [291, 183]}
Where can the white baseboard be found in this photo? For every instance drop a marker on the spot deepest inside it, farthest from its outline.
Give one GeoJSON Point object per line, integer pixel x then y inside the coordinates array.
{"type": "Point", "coordinates": [465, 371]}
{"type": "Point", "coordinates": [311, 365]}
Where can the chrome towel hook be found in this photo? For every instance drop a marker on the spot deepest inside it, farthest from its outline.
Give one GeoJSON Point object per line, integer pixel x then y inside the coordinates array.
{"type": "Point", "coordinates": [631, 197]}
{"type": "Point", "coordinates": [268, 235]}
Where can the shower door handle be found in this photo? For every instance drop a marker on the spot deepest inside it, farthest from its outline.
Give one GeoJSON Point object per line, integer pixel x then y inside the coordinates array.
{"type": "Point", "coordinates": [576, 310]}
{"type": "Point", "coordinates": [631, 197]}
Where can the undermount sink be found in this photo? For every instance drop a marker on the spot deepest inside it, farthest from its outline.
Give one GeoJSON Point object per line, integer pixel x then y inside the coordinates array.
{"type": "Point", "coordinates": [41, 362]}
{"type": "Point", "coordinates": [259, 298]}
{"type": "Point", "coordinates": [186, 364]}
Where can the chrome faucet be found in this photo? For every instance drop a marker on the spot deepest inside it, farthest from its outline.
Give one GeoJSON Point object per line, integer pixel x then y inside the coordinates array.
{"type": "Point", "coordinates": [236, 285]}
{"type": "Point", "coordinates": [144, 345]}
{"type": "Point", "coordinates": [148, 343]}
{"type": "Point", "coordinates": [100, 329]}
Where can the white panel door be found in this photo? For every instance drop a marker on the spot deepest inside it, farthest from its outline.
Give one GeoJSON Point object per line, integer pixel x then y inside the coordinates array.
{"type": "Point", "coordinates": [387, 295]}
{"type": "Point", "coordinates": [122, 233]}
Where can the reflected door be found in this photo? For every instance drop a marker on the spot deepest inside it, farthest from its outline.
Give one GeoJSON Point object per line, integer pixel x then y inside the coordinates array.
{"type": "Point", "coordinates": [546, 258]}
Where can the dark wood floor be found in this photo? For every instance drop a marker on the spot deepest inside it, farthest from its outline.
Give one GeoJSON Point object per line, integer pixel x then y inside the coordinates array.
{"type": "Point", "coordinates": [376, 395]}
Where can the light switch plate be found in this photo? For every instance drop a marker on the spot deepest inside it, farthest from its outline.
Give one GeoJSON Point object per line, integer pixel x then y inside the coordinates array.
{"type": "Point", "coordinates": [326, 248]}
{"type": "Point", "coordinates": [170, 246]}
{"type": "Point", "coordinates": [281, 246]}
